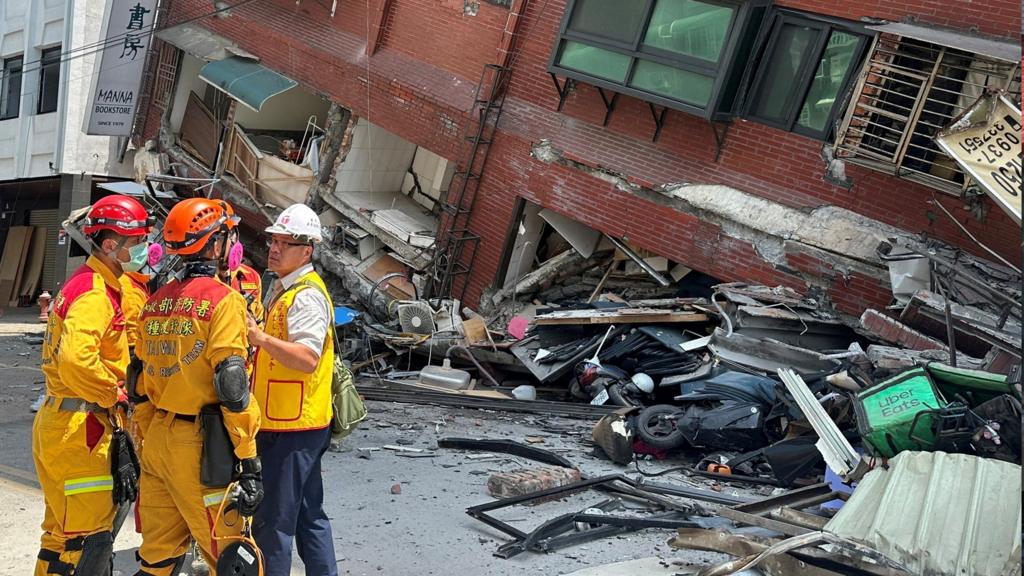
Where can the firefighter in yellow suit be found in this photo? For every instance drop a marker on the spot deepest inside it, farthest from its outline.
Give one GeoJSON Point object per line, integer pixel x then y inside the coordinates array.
{"type": "Point", "coordinates": [134, 293]}
{"type": "Point", "coordinates": [192, 348]}
{"type": "Point", "coordinates": [85, 354]}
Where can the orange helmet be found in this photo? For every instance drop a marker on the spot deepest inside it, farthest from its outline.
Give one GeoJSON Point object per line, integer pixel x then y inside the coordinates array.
{"type": "Point", "coordinates": [191, 223]}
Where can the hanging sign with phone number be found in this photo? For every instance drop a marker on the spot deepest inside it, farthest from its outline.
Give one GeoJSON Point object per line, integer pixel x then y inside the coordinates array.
{"type": "Point", "coordinates": [986, 141]}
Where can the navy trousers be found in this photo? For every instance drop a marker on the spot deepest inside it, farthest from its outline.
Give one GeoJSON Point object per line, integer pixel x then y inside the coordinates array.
{"type": "Point", "coordinates": [293, 504]}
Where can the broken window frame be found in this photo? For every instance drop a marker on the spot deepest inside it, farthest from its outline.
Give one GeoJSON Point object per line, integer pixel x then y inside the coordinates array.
{"type": "Point", "coordinates": [725, 73]}
{"type": "Point", "coordinates": [912, 126]}
{"type": "Point", "coordinates": [776, 20]}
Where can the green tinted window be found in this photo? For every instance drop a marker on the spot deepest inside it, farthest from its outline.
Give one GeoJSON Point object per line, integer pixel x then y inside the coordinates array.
{"type": "Point", "coordinates": [615, 19]}
{"type": "Point", "coordinates": [690, 28]}
{"type": "Point", "coordinates": [828, 80]}
{"type": "Point", "coordinates": [782, 70]}
{"type": "Point", "coordinates": [594, 61]}
{"type": "Point", "coordinates": [672, 82]}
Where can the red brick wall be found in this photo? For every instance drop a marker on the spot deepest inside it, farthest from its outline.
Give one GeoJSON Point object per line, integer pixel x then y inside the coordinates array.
{"type": "Point", "coordinates": [420, 101]}
{"type": "Point", "coordinates": [421, 82]}
{"type": "Point", "coordinates": [785, 167]}
{"type": "Point", "coordinates": [440, 33]}
{"type": "Point", "coordinates": [993, 17]}
{"type": "Point", "coordinates": [645, 224]}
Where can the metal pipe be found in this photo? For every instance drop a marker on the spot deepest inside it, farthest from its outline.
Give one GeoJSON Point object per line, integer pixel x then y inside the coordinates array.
{"type": "Point", "coordinates": [728, 321]}
{"type": "Point", "coordinates": [473, 359]}
{"type": "Point", "coordinates": [376, 285]}
{"type": "Point", "coordinates": [950, 331]}
{"type": "Point", "coordinates": [639, 261]}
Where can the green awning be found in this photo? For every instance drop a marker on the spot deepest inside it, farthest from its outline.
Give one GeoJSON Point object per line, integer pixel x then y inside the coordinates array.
{"type": "Point", "coordinates": [246, 80]}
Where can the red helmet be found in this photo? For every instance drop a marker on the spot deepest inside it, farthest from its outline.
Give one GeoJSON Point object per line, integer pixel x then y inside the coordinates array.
{"type": "Point", "coordinates": [122, 214]}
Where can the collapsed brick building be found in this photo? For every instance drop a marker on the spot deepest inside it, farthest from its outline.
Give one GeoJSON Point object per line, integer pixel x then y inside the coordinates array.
{"type": "Point", "coordinates": [772, 143]}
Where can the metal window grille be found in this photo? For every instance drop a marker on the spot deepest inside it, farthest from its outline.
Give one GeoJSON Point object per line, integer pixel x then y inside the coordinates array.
{"type": "Point", "coordinates": [907, 91]}
{"type": "Point", "coordinates": [166, 70]}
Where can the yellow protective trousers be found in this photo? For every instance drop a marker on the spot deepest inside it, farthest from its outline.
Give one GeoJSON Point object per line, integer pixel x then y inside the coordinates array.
{"type": "Point", "coordinates": [72, 457]}
{"type": "Point", "coordinates": [173, 505]}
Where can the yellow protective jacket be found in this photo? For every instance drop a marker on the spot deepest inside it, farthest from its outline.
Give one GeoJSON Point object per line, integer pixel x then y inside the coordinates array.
{"type": "Point", "coordinates": [85, 352]}
{"type": "Point", "coordinates": [187, 328]}
{"type": "Point", "coordinates": [293, 401]}
{"type": "Point", "coordinates": [134, 293]}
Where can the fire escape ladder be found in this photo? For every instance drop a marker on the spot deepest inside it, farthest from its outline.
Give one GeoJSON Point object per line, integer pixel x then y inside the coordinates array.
{"type": "Point", "coordinates": [456, 245]}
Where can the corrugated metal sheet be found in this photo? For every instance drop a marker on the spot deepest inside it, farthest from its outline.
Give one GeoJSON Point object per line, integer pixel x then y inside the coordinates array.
{"type": "Point", "coordinates": [938, 513]}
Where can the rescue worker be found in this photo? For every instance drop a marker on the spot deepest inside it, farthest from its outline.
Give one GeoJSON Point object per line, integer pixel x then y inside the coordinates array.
{"type": "Point", "coordinates": [246, 280]}
{"type": "Point", "coordinates": [292, 381]}
{"type": "Point", "coordinates": [84, 356]}
{"type": "Point", "coordinates": [192, 348]}
{"type": "Point", "coordinates": [134, 293]}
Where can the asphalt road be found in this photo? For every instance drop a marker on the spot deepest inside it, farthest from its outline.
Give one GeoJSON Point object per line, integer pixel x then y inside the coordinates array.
{"type": "Point", "coordinates": [423, 530]}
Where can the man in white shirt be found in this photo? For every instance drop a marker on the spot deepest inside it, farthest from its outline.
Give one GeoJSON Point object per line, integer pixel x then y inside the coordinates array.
{"type": "Point", "coordinates": [292, 374]}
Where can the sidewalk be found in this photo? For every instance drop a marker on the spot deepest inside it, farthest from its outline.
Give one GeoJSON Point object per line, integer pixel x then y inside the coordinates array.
{"type": "Point", "coordinates": [19, 525]}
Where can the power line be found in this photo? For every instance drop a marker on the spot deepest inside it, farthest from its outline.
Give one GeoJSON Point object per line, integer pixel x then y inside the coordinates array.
{"type": "Point", "coordinates": [102, 45]}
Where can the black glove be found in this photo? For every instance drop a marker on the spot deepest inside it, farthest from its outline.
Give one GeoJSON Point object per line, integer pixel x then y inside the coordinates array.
{"type": "Point", "coordinates": [124, 466]}
{"type": "Point", "coordinates": [250, 482]}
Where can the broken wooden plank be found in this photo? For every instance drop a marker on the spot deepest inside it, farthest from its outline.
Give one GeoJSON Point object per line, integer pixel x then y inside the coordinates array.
{"type": "Point", "coordinates": [10, 265]}
{"type": "Point", "coordinates": [619, 316]}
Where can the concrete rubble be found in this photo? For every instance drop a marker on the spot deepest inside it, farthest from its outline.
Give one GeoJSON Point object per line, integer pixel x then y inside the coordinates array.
{"type": "Point", "coordinates": [694, 386]}
{"type": "Point", "coordinates": [740, 416]}
{"type": "Point", "coordinates": [691, 375]}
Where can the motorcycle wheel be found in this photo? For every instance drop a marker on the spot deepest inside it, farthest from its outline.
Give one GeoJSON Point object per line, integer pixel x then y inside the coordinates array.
{"type": "Point", "coordinates": [617, 395]}
{"type": "Point", "coordinates": [577, 392]}
{"type": "Point", "coordinates": [656, 426]}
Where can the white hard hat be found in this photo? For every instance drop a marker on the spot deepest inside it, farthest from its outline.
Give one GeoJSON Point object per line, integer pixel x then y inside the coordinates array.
{"type": "Point", "coordinates": [644, 382]}
{"type": "Point", "coordinates": [299, 221]}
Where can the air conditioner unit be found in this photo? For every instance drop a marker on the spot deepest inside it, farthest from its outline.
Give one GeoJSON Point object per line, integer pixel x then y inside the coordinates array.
{"type": "Point", "coordinates": [416, 317]}
{"type": "Point", "coordinates": [419, 317]}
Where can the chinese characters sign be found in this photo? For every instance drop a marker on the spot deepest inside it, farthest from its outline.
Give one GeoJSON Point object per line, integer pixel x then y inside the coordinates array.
{"type": "Point", "coordinates": [986, 141]}
{"type": "Point", "coordinates": [115, 93]}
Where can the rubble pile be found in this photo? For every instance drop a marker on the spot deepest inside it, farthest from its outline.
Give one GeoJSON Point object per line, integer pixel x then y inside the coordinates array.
{"type": "Point", "coordinates": [741, 385]}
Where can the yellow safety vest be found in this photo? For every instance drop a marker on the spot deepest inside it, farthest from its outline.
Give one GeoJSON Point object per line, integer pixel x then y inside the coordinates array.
{"type": "Point", "coordinates": [291, 400]}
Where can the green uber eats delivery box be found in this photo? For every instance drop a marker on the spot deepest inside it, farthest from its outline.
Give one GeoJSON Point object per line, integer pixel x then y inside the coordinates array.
{"type": "Point", "coordinates": [886, 413]}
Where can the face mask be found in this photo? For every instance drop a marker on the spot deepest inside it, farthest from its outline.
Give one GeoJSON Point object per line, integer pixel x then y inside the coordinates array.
{"type": "Point", "coordinates": [138, 255]}
{"type": "Point", "coordinates": [235, 256]}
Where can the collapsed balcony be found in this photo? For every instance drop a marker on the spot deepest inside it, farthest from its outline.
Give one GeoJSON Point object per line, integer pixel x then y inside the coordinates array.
{"type": "Point", "coordinates": [262, 142]}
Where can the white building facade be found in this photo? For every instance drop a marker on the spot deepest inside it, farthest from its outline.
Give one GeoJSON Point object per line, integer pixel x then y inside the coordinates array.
{"type": "Point", "coordinates": [49, 52]}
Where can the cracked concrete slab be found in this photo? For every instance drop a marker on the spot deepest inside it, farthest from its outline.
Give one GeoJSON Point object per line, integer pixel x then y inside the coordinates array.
{"type": "Point", "coordinates": [838, 236]}
{"type": "Point", "coordinates": [830, 228]}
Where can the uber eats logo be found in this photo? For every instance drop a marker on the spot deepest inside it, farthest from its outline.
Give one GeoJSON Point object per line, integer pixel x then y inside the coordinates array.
{"type": "Point", "coordinates": [899, 402]}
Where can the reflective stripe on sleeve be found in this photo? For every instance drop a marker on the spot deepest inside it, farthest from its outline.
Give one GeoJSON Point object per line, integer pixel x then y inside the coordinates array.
{"type": "Point", "coordinates": [213, 499]}
{"type": "Point", "coordinates": [88, 484]}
